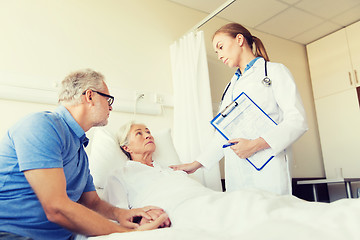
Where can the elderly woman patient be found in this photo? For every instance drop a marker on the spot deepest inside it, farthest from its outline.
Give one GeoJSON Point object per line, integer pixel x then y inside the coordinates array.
{"type": "Point", "coordinates": [143, 182]}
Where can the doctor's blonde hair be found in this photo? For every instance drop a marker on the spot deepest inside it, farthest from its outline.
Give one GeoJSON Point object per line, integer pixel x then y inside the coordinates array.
{"type": "Point", "coordinates": [233, 29]}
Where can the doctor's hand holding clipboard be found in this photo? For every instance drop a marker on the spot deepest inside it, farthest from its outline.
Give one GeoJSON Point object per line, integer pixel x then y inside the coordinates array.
{"type": "Point", "coordinates": [245, 148]}
{"type": "Point", "coordinates": [272, 87]}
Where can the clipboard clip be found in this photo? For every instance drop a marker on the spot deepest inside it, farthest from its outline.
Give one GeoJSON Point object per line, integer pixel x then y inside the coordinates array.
{"type": "Point", "coordinates": [229, 108]}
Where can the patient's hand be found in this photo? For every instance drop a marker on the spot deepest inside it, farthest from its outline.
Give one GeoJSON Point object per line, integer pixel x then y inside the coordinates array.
{"type": "Point", "coordinates": [155, 214]}
{"type": "Point", "coordinates": [187, 167]}
{"type": "Point", "coordinates": [126, 217]}
{"type": "Point", "coordinates": [153, 224]}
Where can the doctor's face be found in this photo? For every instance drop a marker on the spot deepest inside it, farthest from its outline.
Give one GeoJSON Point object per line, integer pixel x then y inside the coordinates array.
{"type": "Point", "coordinates": [140, 140]}
{"type": "Point", "coordinates": [228, 49]}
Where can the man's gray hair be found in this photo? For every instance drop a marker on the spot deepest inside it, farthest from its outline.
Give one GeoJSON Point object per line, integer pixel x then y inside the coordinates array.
{"type": "Point", "coordinates": [76, 83]}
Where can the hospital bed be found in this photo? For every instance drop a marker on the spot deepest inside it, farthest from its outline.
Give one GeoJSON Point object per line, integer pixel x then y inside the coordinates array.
{"type": "Point", "coordinates": [262, 217]}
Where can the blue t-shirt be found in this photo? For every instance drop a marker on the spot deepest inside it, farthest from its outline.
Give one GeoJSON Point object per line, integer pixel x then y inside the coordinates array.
{"type": "Point", "coordinates": [40, 140]}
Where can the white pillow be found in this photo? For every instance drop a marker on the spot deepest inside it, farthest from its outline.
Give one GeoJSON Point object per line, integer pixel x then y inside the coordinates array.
{"type": "Point", "coordinates": [106, 155]}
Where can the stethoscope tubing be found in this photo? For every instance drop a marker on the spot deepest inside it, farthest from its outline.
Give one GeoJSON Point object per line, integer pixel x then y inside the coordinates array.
{"type": "Point", "coordinates": [266, 81]}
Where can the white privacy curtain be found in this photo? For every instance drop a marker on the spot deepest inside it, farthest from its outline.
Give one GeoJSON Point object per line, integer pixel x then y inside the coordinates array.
{"type": "Point", "coordinates": [192, 104]}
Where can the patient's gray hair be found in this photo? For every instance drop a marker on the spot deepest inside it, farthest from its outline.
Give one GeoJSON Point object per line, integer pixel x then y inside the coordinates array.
{"type": "Point", "coordinates": [76, 83]}
{"type": "Point", "coordinates": [122, 136]}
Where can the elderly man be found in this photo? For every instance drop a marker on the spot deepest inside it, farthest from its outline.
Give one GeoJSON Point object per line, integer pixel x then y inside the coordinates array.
{"type": "Point", "coordinates": [46, 190]}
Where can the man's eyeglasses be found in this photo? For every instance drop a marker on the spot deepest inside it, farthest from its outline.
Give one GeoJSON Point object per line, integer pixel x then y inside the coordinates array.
{"type": "Point", "coordinates": [110, 99]}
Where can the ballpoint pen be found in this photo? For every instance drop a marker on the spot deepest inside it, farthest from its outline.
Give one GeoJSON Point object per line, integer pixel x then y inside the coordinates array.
{"type": "Point", "coordinates": [228, 145]}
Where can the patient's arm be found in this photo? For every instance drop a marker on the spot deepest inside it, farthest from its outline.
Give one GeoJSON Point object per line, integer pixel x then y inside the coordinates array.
{"type": "Point", "coordinates": [187, 167]}
{"type": "Point", "coordinates": [115, 193]}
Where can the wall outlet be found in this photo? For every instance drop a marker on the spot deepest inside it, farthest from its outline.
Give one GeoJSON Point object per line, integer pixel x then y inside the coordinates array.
{"type": "Point", "coordinates": [158, 99]}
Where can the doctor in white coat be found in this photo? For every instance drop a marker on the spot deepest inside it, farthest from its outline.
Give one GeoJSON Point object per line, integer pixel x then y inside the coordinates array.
{"type": "Point", "coordinates": [277, 95]}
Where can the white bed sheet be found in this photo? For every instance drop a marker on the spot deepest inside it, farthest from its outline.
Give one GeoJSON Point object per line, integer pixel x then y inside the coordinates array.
{"type": "Point", "coordinates": [200, 213]}
{"type": "Point", "coordinates": [269, 230]}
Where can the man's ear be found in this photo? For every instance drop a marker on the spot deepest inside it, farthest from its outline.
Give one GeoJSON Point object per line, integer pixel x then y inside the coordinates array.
{"type": "Point", "coordinates": [88, 95]}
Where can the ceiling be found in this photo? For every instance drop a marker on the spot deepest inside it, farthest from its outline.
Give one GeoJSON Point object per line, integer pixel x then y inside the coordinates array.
{"type": "Point", "coordinates": [301, 21]}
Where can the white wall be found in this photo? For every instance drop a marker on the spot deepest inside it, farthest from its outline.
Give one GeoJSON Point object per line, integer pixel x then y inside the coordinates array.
{"type": "Point", "coordinates": [128, 41]}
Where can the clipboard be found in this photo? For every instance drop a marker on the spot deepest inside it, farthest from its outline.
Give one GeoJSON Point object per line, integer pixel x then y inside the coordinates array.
{"type": "Point", "coordinates": [243, 118]}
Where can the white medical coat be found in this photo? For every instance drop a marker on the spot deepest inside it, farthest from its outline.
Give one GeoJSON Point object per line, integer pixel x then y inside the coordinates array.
{"type": "Point", "coordinates": [282, 102]}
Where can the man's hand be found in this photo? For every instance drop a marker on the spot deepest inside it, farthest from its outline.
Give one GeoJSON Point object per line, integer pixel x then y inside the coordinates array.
{"type": "Point", "coordinates": [155, 214]}
{"type": "Point", "coordinates": [149, 214]}
{"type": "Point", "coordinates": [154, 224]}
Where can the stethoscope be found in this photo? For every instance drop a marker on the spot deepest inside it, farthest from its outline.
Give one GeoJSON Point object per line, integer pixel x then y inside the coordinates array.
{"type": "Point", "coordinates": [266, 81]}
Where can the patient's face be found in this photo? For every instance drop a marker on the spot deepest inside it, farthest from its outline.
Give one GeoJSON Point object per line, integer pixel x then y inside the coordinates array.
{"type": "Point", "coordinates": [140, 140]}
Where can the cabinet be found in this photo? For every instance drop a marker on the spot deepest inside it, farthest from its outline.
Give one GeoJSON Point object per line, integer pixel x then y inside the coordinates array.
{"type": "Point", "coordinates": [338, 118]}
{"type": "Point", "coordinates": [353, 34]}
{"type": "Point", "coordinates": [330, 65]}
{"type": "Point", "coordinates": [334, 63]}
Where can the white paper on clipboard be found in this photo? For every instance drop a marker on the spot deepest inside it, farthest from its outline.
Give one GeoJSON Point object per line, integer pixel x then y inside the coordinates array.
{"type": "Point", "coordinates": [243, 118]}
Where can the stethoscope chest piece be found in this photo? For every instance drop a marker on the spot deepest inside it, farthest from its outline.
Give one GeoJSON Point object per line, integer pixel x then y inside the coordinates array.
{"type": "Point", "coordinates": [266, 81]}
